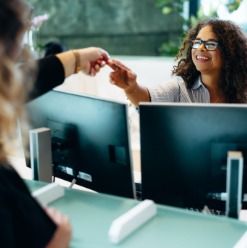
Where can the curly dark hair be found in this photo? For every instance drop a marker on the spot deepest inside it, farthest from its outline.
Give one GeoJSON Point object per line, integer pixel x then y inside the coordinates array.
{"type": "Point", "coordinates": [233, 48]}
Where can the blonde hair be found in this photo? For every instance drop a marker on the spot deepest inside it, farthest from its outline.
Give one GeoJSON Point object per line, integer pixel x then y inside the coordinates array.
{"type": "Point", "coordinates": [14, 81]}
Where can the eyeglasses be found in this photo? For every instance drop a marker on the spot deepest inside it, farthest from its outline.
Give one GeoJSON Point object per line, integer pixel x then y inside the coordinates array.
{"type": "Point", "coordinates": [210, 45]}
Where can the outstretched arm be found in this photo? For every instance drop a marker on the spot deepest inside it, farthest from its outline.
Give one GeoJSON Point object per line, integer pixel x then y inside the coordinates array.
{"type": "Point", "coordinates": [52, 70]}
{"type": "Point", "coordinates": [88, 60]}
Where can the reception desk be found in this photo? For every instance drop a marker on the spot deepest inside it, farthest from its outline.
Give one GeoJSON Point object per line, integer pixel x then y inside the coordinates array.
{"type": "Point", "coordinates": [91, 215]}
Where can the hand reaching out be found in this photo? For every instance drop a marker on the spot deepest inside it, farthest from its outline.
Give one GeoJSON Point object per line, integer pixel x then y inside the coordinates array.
{"type": "Point", "coordinates": [88, 60]}
{"type": "Point", "coordinates": [92, 59]}
{"type": "Point", "coordinates": [122, 76]}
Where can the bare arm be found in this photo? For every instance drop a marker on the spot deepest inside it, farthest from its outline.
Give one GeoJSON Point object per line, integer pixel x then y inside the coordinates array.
{"type": "Point", "coordinates": [125, 79]}
{"type": "Point", "coordinates": [138, 94]}
{"type": "Point", "coordinates": [90, 60]}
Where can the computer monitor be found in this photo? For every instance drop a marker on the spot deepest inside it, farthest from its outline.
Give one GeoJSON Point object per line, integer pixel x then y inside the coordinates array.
{"type": "Point", "coordinates": [90, 140]}
{"type": "Point", "coordinates": [184, 151]}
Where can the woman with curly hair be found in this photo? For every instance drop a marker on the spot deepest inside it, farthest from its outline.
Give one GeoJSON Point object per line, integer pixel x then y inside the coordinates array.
{"type": "Point", "coordinates": [23, 222]}
{"type": "Point", "coordinates": [212, 68]}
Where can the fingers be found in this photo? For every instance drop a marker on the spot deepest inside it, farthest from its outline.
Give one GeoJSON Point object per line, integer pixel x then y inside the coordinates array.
{"type": "Point", "coordinates": [97, 65]}
{"type": "Point", "coordinates": [112, 78]}
{"type": "Point", "coordinates": [131, 75]}
{"type": "Point", "coordinates": [92, 59]}
{"type": "Point", "coordinates": [99, 62]}
{"type": "Point", "coordinates": [120, 76]}
{"type": "Point", "coordinates": [105, 55]}
{"type": "Point", "coordinates": [116, 65]}
{"type": "Point", "coordinates": [111, 64]}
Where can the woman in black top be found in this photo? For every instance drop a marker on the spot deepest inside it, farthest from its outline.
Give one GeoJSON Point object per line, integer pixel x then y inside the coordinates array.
{"type": "Point", "coordinates": [23, 222]}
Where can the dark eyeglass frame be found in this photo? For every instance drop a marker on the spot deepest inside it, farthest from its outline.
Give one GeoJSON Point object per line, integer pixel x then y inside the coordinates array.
{"type": "Point", "coordinates": [205, 43]}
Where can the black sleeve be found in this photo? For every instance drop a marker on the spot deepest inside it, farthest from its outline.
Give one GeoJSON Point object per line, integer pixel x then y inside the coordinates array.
{"type": "Point", "coordinates": [49, 75]}
{"type": "Point", "coordinates": [23, 222]}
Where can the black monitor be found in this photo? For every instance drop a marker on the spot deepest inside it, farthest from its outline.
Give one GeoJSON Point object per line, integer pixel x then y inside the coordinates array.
{"type": "Point", "coordinates": [90, 140]}
{"type": "Point", "coordinates": [184, 152]}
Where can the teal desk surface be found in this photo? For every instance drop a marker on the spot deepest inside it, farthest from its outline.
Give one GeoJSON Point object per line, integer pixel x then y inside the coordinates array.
{"type": "Point", "coordinates": [91, 215]}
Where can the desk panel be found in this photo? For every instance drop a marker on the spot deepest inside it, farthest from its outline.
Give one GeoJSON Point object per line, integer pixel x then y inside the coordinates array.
{"type": "Point", "coordinates": [91, 215]}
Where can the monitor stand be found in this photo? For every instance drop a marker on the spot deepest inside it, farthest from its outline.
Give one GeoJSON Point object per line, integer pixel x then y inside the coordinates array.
{"type": "Point", "coordinates": [40, 154]}
{"type": "Point", "coordinates": [234, 182]}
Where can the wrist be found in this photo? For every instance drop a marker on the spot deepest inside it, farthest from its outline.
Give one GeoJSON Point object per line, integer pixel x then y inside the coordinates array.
{"type": "Point", "coordinates": [77, 61]}
{"type": "Point", "coordinates": [131, 89]}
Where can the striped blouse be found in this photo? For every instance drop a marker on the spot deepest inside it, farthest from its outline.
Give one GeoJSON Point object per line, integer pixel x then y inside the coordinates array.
{"type": "Point", "coordinates": [176, 91]}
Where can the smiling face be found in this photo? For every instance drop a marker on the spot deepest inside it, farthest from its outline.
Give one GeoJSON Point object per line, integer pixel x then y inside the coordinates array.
{"type": "Point", "coordinates": [207, 62]}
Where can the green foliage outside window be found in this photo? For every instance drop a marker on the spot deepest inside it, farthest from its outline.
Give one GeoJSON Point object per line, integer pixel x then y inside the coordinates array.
{"type": "Point", "coordinates": [169, 6]}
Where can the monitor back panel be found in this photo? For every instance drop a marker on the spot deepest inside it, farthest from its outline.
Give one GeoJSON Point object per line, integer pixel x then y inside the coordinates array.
{"type": "Point", "coordinates": [90, 139]}
{"type": "Point", "coordinates": [184, 151]}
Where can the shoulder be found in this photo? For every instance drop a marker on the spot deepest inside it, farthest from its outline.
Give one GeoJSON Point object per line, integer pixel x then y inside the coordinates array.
{"type": "Point", "coordinates": [174, 84]}
{"type": "Point", "coordinates": [168, 91]}
{"type": "Point", "coordinates": [8, 176]}
{"type": "Point", "coordinates": [12, 187]}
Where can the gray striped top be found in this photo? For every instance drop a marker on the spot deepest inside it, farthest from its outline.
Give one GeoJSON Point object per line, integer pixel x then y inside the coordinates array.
{"type": "Point", "coordinates": [176, 91]}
